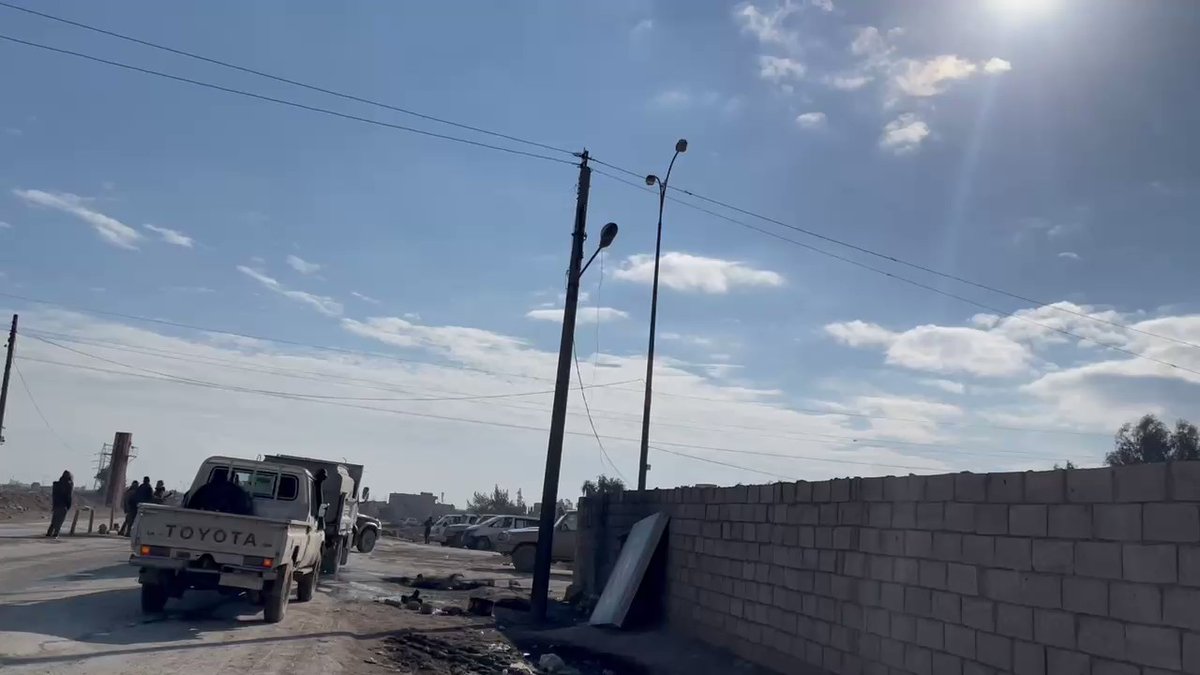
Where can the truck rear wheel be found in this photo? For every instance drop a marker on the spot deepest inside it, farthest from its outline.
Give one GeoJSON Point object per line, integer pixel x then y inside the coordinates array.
{"type": "Point", "coordinates": [307, 586]}
{"type": "Point", "coordinates": [277, 597]}
{"type": "Point", "coordinates": [331, 558]}
{"type": "Point", "coordinates": [154, 598]}
{"type": "Point", "coordinates": [366, 540]}
{"type": "Point", "coordinates": [523, 558]}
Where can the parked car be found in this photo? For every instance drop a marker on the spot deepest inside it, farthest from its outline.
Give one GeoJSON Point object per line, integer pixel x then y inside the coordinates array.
{"type": "Point", "coordinates": [448, 529]}
{"type": "Point", "coordinates": [521, 544]}
{"type": "Point", "coordinates": [482, 535]}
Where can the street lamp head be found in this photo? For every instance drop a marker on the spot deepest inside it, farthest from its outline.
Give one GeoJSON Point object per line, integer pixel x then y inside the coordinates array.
{"type": "Point", "coordinates": [651, 180]}
{"type": "Point", "coordinates": [607, 234]}
{"type": "Point", "coordinates": [681, 145]}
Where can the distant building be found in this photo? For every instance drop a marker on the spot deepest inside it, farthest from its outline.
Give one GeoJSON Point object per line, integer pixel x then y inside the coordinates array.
{"type": "Point", "coordinates": [401, 505]}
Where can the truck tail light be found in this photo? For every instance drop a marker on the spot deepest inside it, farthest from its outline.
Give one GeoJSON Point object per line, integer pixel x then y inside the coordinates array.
{"type": "Point", "coordinates": [156, 551]}
{"type": "Point", "coordinates": [254, 561]}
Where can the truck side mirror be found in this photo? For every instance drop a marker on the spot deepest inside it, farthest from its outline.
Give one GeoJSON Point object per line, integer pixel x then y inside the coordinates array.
{"type": "Point", "coordinates": [321, 511]}
{"type": "Point", "coordinates": [366, 494]}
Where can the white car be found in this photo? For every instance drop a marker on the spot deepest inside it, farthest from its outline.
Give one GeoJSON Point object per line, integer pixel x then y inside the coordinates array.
{"type": "Point", "coordinates": [457, 521]}
{"type": "Point", "coordinates": [483, 535]}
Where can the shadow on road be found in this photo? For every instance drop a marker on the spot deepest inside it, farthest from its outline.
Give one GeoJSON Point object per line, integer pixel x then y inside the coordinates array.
{"type": "Point", "coordinates": [64, 658]}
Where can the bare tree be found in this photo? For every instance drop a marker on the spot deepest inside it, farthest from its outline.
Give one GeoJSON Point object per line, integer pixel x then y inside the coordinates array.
{"type": "Point", "coordinates": [1149, 440]}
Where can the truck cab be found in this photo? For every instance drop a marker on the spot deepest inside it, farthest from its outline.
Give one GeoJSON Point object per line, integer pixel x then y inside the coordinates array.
{"type": "Point", "coordinates": [181, 548]}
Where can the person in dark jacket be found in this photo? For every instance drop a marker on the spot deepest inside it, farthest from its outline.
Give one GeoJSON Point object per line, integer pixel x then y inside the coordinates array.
{"type": "Point", "coordinates": [428, 526]}
{"type": "Point", "coordinates": [144, 494]}
{"type": "Point", "coordinates": [129, 503]}
{"type": "Point", "coordinates": [61, 493]}
{"type": "Point", "coordinates": [221, 495]}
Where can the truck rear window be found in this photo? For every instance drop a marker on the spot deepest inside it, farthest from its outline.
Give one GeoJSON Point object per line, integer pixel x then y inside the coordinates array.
{"type": "Point", "coordinates": [262, 484]}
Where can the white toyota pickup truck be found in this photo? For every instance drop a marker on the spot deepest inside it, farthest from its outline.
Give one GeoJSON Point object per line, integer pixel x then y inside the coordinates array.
{"type": "Point", "coordinates": [180, 548]}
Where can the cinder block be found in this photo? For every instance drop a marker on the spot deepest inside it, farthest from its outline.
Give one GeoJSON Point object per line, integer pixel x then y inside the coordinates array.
{"type": "Point", "coordinates": [918, 543]}
{"type": "Point", "coordinates": [1085, 596]}
{"type": "Point", "coordinates": [904, 628]}
{"type": "Point", "coordinates": [994, 650]}
{"type": "Point", "coordinates": [947, 546]}
{"type": "Point", "coordinates": [1141, 482]}
{"type": "Point", "coordinates": [1138, 602]}
{"type": "Point", "coordinates": [991, 519]}
{"type": "Point", "coordinates": [1027, 520]}
{"type": "Point", "coordinates": [871, 489]}
{"type": "Point", "coordinates": [930, 633]}
{"type": "Point", "coordinates": [904, 515]}
{"type": "Point", "coordinates": [1005, 487]}
{"type": "Point", "coordinates": [1171, 522]}
{"type": "Point", "coordinates": [1090, 485]}
{"type": "Point", "coordinates": [1117, 522]}
{"type": "Point", "coordinates": [973, 668]}
{"type": "Point", "coordinates": [878, 622]}
{"type": "Point", "coordinates": [960, 641]}
{"type": "Point", "coordinates": [820, 491]}
{"type": "Point", "coordinates": [1191, 653]}
{"type": "Point", "coordinates": [1181, 607]}
{"type": "Point", "coordinates": [947, 607]}
{"type": "Point", "coordinates": [803, 491]}
{"type": "Point", "coordinates": [1045, 487]}
{"type": "Point", "coordinates": [1189, 564]}
{"type": "Point", "coordinates": [933, 574]}
{"type": "Point", "coordinates": [1014, 553]}
{"type": "Point", "coordinates": [1102, 637]}
{"type": "Point", "coordinates": [879, 514]}
{"type": "Point", "coordinates": [1155, 563]}
{"type": "Point", "coordinates": [839, 489]}
{"type": "Point", "coordinates": [918, 601]}
{"type": "Point", "coordinates": [1050, 555]}
{"type": "Point", "coordinates": [906, 570]}
{"type": "Point", "coordinates": [892, 596]}
{"type": "Point", "coordinates": [959, 517]}
{"type": "Point", "coordinates": [970, 487]}
{"type": "Point", "coordinates": [1153, 646]}
{"type": "Point", "coordinates": [962, 579]}
{"type": "Point", "coordinates": [918, 660]}
{"type": "Point", "coordinates": [1055, 628]}
{"type": "Point", "coordinates": [892, 652]}
{"type": "Point", "coordinates": [1029, 659]}
{"type": "Point", "coordinates": [947, 664]}
{"type": "Point", "coordinates": [939, 488]}
{"type": "Point", "coordinates": [1062, 662]}
{"type": "Point", "coordinates": [979, 550]}
{"type": "Point", "coordinates": [1185, 481]}
{"type": "Point", "coordinates": [930, 515]}
{"type": "Point", "coordinates": [978, 613]}
{"type": "Point", "coordinates": [1070, 521]}
{"type": "Point", "coordinates": [1014, 621]}
{"type": "Point", "coordinates": [1098, 559]}
{"type": "Point", "coordinates": [1104, 667]}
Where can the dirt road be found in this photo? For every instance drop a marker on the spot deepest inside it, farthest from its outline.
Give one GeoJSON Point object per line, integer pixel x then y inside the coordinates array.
{"type": "Point", "coordinates": [72, 606]}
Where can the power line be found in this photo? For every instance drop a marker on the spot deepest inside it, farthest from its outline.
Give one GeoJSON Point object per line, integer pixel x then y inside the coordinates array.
{"type": "Point", "coordinates": [285, 102]}
{"type": "Point", "coordinates": [912, 282]}
{"type": "Point", "coordinates": [278, 78]}
{"type": "Point", "coordinates": [890, 258]}
{"type": "Point", "coordinates": [37, 408]}
{"type": "Point", "coordinates": [591, 422]}
{"type": "Point", "coordinates": [720, 463]}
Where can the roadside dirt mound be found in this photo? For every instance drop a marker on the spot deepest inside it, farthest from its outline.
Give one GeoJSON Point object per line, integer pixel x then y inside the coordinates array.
{"type": "Point", "coordinates": [25, 502]}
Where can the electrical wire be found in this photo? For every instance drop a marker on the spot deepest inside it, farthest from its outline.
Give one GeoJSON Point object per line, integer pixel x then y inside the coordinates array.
{"type": "Point", "coordinates": [890, 258]}
{"type": "Point", "coordinates": [913, 282]}
{"type": "Point", "coordinates": [591, 422]}
{"type": "Point", "coordinates": [725, 464]}
{"type": "Point", "coordinates": [285, 80]}
{"type": "Point", "coordinates": [38, 409]}
{"type": "Point", "coordinates": [285, 102]}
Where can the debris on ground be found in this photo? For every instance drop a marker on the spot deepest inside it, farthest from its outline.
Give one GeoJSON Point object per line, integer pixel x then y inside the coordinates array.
{"type": "Point", "coordinates": [481, 653]}
{"type": "Point", "coordinates": [451, 582]}
{"type": "Point", "coordinates": [551, 663]}
{"type": "Point", "coordinates": [480, 606]}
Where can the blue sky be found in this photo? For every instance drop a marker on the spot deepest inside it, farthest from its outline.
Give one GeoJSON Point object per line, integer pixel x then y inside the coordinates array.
{"type": "Point", "coordinates": [1007, 142]}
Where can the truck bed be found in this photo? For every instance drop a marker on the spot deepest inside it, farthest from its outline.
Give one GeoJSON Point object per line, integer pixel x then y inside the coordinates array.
{"type": "Point", "coordinates": [181, 529]}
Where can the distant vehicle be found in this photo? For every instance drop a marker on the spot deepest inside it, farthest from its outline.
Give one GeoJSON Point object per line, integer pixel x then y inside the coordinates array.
{"type": "Point", "coordinates": [366, 533]}
{"type": "Point", "coordinates": [177, 549]}
{"type": "Point", "coordinates": [459, 521]}
{"type": "Point", "coordinates": [521, 544]}
{"type": "Point", "coordinates": [340, 493]}
{"type": "Point", "coordinates": [410, 522]}
{"type": "Point", "coordinates": [452, 533]}
{"type": "Point", "coordinates": [482, 535]}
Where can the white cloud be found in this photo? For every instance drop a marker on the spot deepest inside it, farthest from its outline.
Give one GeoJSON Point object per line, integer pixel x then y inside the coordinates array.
{"type": "Point", "coordinates": [996, 65]}
{"type": "Point", "coordinates": [903, 134]}
{"type": "Point", "coordinates": [323, 304]}
{"type": "Point", "coordinates": [303, 266]}
{"type": "Point", "coordinates": [5, 226]}
{"type": "Point", "coordinates": [848, 82]}
{"type": "Point", "coordinates": [779, 69]}
{"type": "Point", "coordinates": [110, 229]}
{"type": "Point", "coordinates": [642, 27]}
{"type": "Point", "coordinates": [172, 237]}
{"type": "Point", "coordinates": [679, 98]}
{"type": "Point", "coordinates": [1069, 255]}
{"type": "Point", "coordinates": [364, 298]}
{"type": "Point", "coordinates": [869, 42]}
{"type": "Point", "coordinates": [931, 76]}
{"type": "Point", "coordinates": [697, 340]}
{"type": "Point", "coordinates": [766, 26]}
{"type": "Point", "coordinates": [686, 272]}
{"type": "Point", "coordinates": [811, 120]}
{"type": "Point", "coordinates": [584, 315]}
{"type": "Point", "coordinates": [940, 349]}
{"type": "Point", "coordinates": [949, 386]}
{"type": "Point", "coordinates": [823, 5]}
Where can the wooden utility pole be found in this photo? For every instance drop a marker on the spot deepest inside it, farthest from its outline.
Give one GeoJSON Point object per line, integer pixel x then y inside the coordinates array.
{"type": "Point", "coordinates": [562, 384]}
{"type": "Point", "coordinates": [12, 345]}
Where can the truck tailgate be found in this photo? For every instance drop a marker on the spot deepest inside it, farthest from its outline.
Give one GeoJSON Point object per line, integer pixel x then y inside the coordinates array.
{"type": "Point", "coordinates": [179, 528]}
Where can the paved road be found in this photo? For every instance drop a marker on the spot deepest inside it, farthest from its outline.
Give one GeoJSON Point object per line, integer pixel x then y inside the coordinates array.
{"type": "Point", "coordinates": [72, 606]}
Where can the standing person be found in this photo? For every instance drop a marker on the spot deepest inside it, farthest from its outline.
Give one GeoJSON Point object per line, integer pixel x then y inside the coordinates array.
{"type": "Point", "coordinates": [130, 505]}
{"type": "Point", "coordinates": [61, 493]}
{"type": "Point", "coordinates": [144, 494]}
{"type": "Point", "coordinates": [160, 493]}
{"type": "Point", "coordinates": [428, 526]}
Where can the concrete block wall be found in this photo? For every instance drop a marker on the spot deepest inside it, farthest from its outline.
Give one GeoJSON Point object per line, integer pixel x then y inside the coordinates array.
{"type": "Point", "coordinates": [1035, 573]}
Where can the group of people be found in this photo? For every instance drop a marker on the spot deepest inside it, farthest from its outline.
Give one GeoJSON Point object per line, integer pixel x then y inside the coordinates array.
{"type": "Point", "coordinates": [137, 494]}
